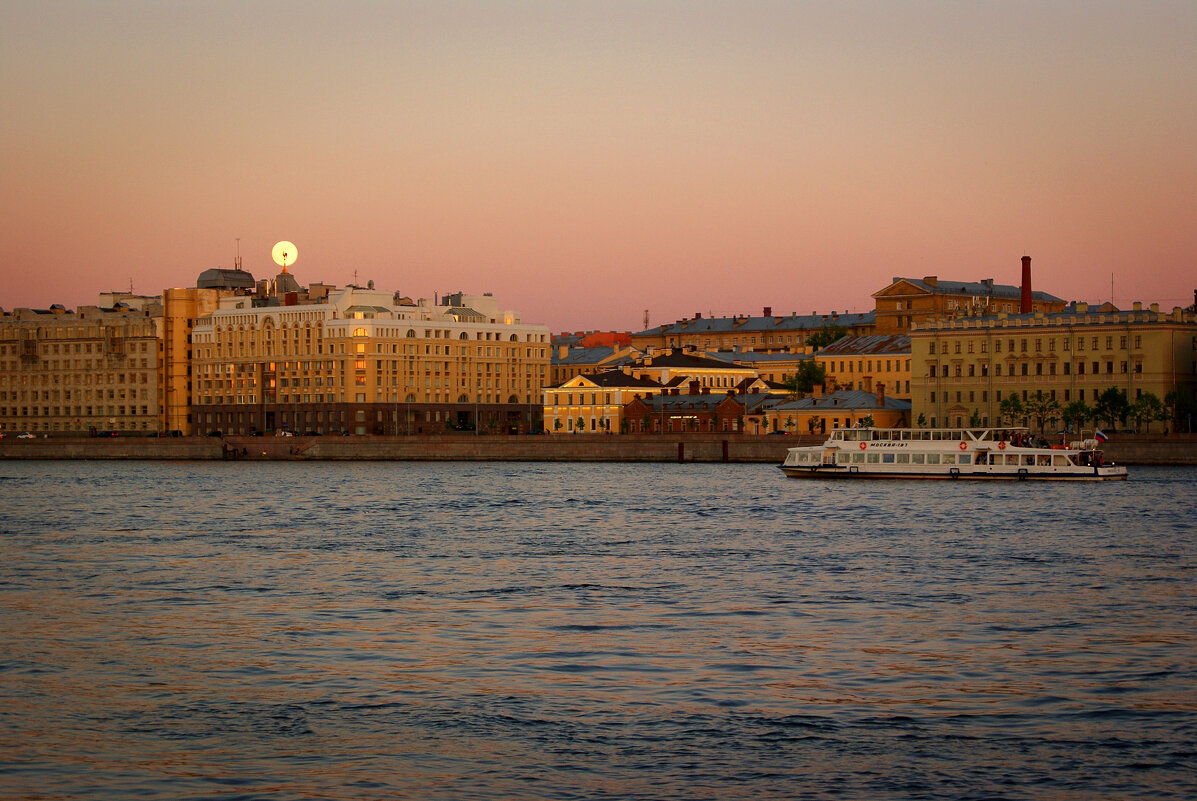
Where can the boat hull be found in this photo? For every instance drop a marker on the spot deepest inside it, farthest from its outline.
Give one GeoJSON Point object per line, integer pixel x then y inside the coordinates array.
{"type": "Point", "coordinates": [1113, 473]}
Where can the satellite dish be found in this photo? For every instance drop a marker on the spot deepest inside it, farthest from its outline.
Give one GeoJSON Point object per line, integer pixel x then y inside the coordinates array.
{"type": "Point", "coordinates": [283, 254]}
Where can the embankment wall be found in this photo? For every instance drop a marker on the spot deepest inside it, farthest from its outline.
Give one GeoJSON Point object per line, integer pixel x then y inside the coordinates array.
{"type": "Point", "coordinates": [1143, 449]}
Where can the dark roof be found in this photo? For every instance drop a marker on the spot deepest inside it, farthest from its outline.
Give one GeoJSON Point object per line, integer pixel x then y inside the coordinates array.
{"type": "Point", "coordinates": [218, 278]}
{"type": "Point", "coordinates": [1069, 315]}
{"type": "Point", "coordinates": [873, 344]}
{"type": "Point", "coordinates": [981, 289]}
{"type": "Point", "coordinates": [680, 358]}
{"type": "Point", "coordinates": [618, 378]}
{"type": "Point", "coordinates": [792, 322]}
{"type": "Point", "coordinates": [846, 399]}
{"type": "Point", "coordinates": [755, 357]}
{"type": "Point", "coordinates": [583, 355]}
{"type": "Point", "coordinates": [706, 402]}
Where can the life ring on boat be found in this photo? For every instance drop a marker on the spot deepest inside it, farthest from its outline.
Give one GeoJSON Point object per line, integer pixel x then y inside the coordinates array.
{"type": "Point", "coordinates": [964, 446]}
{"type": "Point", "coordinates": [1002, 445]}
{"type": "Point", "coordinates": [863, 446]}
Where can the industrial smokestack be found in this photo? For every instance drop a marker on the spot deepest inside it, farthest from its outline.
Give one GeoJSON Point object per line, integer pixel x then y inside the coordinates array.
{"type": "Point", "coordinates": [1025, 308]}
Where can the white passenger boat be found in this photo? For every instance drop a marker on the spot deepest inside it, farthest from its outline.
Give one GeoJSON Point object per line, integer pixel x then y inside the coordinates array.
{"type": "Point", "coordinates": [948, 453]}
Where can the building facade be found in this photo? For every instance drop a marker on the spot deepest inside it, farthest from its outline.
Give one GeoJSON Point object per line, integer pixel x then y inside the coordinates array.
{"type": "Point", "coordinates": [353, 363]}
{"type": "Point", "coordinates": [843, 408]}
{"type": "Point", "coordinates": [965, 367]}
{"type": "Point", "coordinates": [91, 370]}
{"type": "Point", "coordinates": [868, 362]}
{"type": "Point", "coordinates": [594, 403]}
{"type": "Point", "coordinates": [907, 301]}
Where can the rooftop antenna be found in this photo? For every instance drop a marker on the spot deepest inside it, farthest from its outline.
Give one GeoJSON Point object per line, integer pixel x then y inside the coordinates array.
{"type": "Point", "coordinates": [646, 318]}
{"type": "Point", "coordinates": [237, 261]}
{"type": "Point", "coordinates": [130, 285]}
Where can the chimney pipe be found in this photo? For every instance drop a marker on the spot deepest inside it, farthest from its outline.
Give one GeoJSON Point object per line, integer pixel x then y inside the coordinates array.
{"type": "Point", "coordinates": [768, 311]}
{"type": "Point", "coordinates": [1025, 308]}
{"type": "Point", "coordinates": [881, 394]}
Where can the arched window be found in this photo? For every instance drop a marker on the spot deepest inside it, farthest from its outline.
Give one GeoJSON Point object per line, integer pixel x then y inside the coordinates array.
{"type": "Point", "coordinates": [411, 333]}
{"type": "Point", "coordinates": [513, 399]}
{"type": "Point", "coordinates": [359, 332]}
{"type": "Point", "coordinates": [463, 398]}
{"type": "Point", "coordinates": [514, 338]}
{"type": "Point", "coordinates": [410, 398]}
{"type": "Point", "coordinates": [464, 335]}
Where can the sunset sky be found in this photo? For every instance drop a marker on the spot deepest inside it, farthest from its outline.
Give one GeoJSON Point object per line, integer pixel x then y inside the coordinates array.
{"type": "Point", "coordinates": [588, 161]}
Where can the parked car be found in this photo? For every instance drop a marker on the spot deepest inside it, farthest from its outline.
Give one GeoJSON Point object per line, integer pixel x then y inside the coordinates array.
{"type": "Point", "coordinates": [26, 435]}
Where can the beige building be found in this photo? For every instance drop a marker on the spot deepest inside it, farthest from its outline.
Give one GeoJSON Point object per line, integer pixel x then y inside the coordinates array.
{"type": "Point", "coordinates": [869, 362]}
{"type": "Point", "coordinates": [355, 363]}
{"type": "Point", "coordinates": [92, 370]}
{"type": "Point", "coordinates": [594, 403]}
{"type": "Point", "coordinates": [907, 301]}
{"type": "Point", "coordinates": [965, 366]}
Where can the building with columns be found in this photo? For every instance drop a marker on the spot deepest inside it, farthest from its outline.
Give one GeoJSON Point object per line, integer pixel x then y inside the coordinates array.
{"type": "Point", "coordinates": [354, 362]}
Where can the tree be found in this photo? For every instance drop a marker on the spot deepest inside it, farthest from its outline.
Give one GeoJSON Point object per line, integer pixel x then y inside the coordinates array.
{"type": "Point", "coordinates": [974, 419]}
{"type": "Point", "coordinates": [1011, 407]}
{"type": "Point", "coordinates": [556, 423]}
{"type": "Point", "coordinates": [1181, 406]}
{"type": "Point", "coordinates": [790, 423]}
{"type": "Point", "coordinates": [1111, 407]}
{"type": "Point", "coordinates": [1148, 408]}
{"type": "Point", "coordinates": [867, 421]}
{"type": "Point", "coordinates": [579, 425]}
{"type": "Point", "coordinates": [1040, 407]}
{"type": "Point", "coordinates": [922, 421]}
{"type": "Point", "coordinates": [1075, 414]}
{"type": "Point", "coordinates": [809, 374]}
{"type": "Point", "coordinates": [825, 336]}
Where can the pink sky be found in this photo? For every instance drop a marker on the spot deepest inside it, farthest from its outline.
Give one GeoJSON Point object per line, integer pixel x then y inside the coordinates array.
{"type": "Point", "coordinates": [587, 161]}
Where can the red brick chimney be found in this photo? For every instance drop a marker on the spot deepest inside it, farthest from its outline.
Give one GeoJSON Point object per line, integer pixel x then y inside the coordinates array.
{"type": "Point", "coordinates": [881, 393]}
{"type": "Point", "coordinates": [1025, 308]}
{"type": "Point", "coordinates": [694, 387]}
{"type": "Point", "coordinates": [768, 311]}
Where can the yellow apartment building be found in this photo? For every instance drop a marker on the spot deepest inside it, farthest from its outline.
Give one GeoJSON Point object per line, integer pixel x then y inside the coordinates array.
{"type": "Point", "coordinates": [354, 363]}
{"type": "Point", "coordinates": [91, 370]}
{"type": "Point", "coordinates": [868, 361]}
{"type": "Point", "coordinates": [965, 366]}
{"type": "Point", "coordinates": [594, 403]}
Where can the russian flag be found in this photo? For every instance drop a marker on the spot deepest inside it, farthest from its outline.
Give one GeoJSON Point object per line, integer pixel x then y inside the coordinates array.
{"type": "Point", "coordinates": [1100, 436]}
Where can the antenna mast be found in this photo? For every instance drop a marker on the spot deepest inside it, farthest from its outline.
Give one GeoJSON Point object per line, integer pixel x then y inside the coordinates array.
{"type": "Point", "coordinates": [646, 319]}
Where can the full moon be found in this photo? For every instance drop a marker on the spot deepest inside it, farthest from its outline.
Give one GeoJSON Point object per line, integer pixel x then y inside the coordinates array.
{"type": "Point", "coordinates": [284, 253]}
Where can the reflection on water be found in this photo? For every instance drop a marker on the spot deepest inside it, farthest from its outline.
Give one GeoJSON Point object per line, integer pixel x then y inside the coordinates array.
{"type": "Point", "coordinates": [591, 631]}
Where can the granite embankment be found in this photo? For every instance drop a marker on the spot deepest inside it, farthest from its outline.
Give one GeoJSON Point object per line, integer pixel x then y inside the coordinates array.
{"type": "Point", "coordinates": [1143, 449]}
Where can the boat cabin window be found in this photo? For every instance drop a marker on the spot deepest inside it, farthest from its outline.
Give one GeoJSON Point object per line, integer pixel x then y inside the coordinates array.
{"type": "Point", "coordinates": [858, 458]}
{"type": "Point", "coordinates": [948, 458]}
{"type": "Point", "coordinates": [842, 458]}
{"type": "Point", "coordinates": [967, 458]}
{"type": "Point", "coordinates": [918, 458]}
{"type": "Point", "coordinates": [932, 458]}
{"type": "Point", "coordinates": [887, 458]}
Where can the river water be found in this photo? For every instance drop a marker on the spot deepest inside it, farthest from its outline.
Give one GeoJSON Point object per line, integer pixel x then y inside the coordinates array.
{"type": "Point", "coordinates": [591, 631]}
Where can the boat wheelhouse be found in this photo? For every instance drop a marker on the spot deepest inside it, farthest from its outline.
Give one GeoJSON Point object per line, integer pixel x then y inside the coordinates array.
{"type": "Point", "coordinates": [949, 453]}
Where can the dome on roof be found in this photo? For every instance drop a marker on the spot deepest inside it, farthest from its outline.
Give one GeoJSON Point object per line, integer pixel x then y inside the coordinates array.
{"type": "Point", "coordinates": [218, 278]}
{"type": "Point", "coordinates": [284, 282]}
